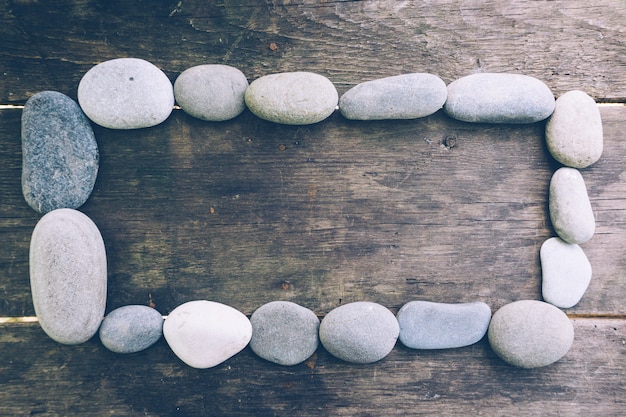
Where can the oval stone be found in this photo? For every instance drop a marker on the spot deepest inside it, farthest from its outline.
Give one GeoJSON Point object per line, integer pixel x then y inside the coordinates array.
{"type": "Point", "coordinates": [126, 93]}
{"type": "Point", "coordinates": [359, 332]}
{"type": "Point", "coordinates": [499, 98]}
{"type": "Point", "coordinates": [59, 153]}
{"type": "Point", "coordinates": [204, 333]}
{"type": "Point", "coordinates": [429, 325]}
{"type": "Point", "coordinates": [211, 92]}
{"type": "Point", "coordinates": [284, 332]}
{"type": "Point", "coordinates": [566, 272]}
{"type": "Point", "coordinates": [570, 209]}
{"type": "Point", "coordinates": [574, 131]}
{"type": "Point", "coordinates": [407, 96]}
{"type": "Point", "coordinates": [68, 275]}
{"type": "Point", "coordinates": [530, 333]}
{"type": "Point", "coordinates": [292, 98]}
{"type": "Point", "coordinates": [131, 329]}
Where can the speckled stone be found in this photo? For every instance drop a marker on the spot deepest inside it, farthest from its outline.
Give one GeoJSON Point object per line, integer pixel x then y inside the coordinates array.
{"type": "Point", "coordinates": [131, 329]}
{"type": "Point", "coordinates": [407, 96]}
{"type": "Point", "coordinates": [68, 275]}
{"type": "Point", "coordinates": [359, 332]}
{"type": "Point", "coordinates": [59, 153]}
{"type": "Point", "coordinates": [570, 209]}
{"type": "Point", "coordinates": [284, 332]}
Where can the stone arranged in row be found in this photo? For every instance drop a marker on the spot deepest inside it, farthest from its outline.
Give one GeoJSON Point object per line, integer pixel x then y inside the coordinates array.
{"type": "Point", "coordinates": [131, 329]}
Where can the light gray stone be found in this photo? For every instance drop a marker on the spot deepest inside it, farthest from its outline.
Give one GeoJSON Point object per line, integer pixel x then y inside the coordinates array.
{"type": "Point", "coordinates": [407, 96]}
{"type": "Point", "coordinates": [211, 92]}
{"type": "Point", "coordinates": [359, 332]}
{"type": "Point", "coordinates": [292, 98]}
{"type": "Point", "coordinates": [574, 131]}
{"type": "Point", "coordinates": [204, 334]}
{"type": "Point", "coordinates": [68, 275]}
{"type": "Point", "coordinates": [131, 329]}
{"type": "Point", "coordinates": [429, 325]}
{"type": "Point", "coordinates": [566, 272]}
{"type": "Point", "coordinates": [126, 93]}
{"type": "Point", "coordinates": [499, 98]}
{"type": "Point", "coordinates": [570, 209]}
{"type": "Point", "coordinates": [530, 334]}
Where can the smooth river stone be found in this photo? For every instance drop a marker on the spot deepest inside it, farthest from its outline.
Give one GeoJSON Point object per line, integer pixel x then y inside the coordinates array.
{"type": "Point", "coordinates": [59, 153]}
{"type": "Point", "coordinates": [204, 333]}
{"type": "Point", "coordinates": [68, 275]}
{"type": "Point", "coordinates": [429, 325]}
{"type": "Point", "coordinates": [131, 329]}
{"type": "Point", "coordinates": [499, 98]}
{"type": "Point", "coordinates": [406, 96]}
{"type": "Point", "coordinates": [126, 93]}
{"type": "Point", "coordinates": [211, 92]}
{"type": "Point", "coordinates": [570, 209]}
{"type": "Point", "coordinates": [574, 131]}
{"type": "Point", "coordinates": [292, 98]}
{"type": "Point", "coordinates": [359, 332]}
{"type": "Point", "coordinates": [566, 272]}
{"type": "Point", "coordinates": [284, 332]}
{"type": "Point", "coordinates": [530, 333]}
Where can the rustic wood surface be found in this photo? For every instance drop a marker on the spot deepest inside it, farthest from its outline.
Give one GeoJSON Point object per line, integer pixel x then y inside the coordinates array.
{"type": "Point", "coordinates": [246, 212]}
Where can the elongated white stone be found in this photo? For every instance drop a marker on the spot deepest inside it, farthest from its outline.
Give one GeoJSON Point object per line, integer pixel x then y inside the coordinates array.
{"type": "Point", "coordinates": [570, 209]}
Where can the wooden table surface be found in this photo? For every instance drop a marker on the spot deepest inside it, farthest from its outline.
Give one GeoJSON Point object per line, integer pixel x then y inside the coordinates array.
{"type": "Point", "coordinates": [245, 212]}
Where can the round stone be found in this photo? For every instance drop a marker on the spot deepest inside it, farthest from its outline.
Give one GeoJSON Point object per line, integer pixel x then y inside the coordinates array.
{"type": "Point", "coordinates": [570, 209]}
{"type": "Point", "coordinates": [211, 92]}
{"type": "Point", "coordinates": [131, 329]}
{"type": "Point", "coordinates": [530, 333]}
{"type": "Point", "coordinates": [126, 93]}
{"type": "Point", "coordinates": [284, 332]}
{"type": "Point", "coordinates": [359, 332]}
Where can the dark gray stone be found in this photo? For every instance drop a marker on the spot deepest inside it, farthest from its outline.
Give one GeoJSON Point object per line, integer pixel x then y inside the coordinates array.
{"type": "Point", "coordinates": [131, 329]}
{"type": "Point", "coordinates": [59, 153]}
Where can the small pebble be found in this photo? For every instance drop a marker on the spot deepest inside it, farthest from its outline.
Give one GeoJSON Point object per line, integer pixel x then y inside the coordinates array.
{"type": "Point", "coordinates": [429, 325]}
{"type": "Point", "coordinates": [126, 93]}
{"type": "Point", "coordinates": [499, 98]}
{"type": "Point", "coordinates": [359, 332]}
{"type": "Point", "coordinates": [530, 333]}
{"type": "Point", "coordinates": [292, 98]}
{"type": "Point", "coordinates": [574, 131]}
{"type": "Point", "coordinates": [570, 209]}
{"type": "Point", "coordinates": [566, 272]}
{"type": "Point", "coordinates": [284, 332]}
{"type": "Point", "coordinates": [204, 334]}
{"type": "Point", "coordinates": [211, 92]}
{"type": "Point", "coordinates": [131, 329]}
{"type": "Point", "coordinates": [59, 153]}
{"type": "Point", "coordinates": [407, 96]}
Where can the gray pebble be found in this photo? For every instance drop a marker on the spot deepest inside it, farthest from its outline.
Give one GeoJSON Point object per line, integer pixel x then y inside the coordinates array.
{"type": "Point", "coordinates": [284, 332]}
{"type": "Point", "coordinates": [429, 325]}
{"type": "Point", "coordinates": [360, 332]}
{"type": "Point", "coordinates": [570, 209]}
{"type": "Point", "coordinates": [211, 92]}
{"type": "Point", "coordinates": [131, 329]}
{"type": "Point", "coordinates": [126, 93]}
{"type": "Point", "coordinates": [499, 98]}
{"type": "Point", "coordinates": [59, 153]}
{"type": "Point", "coordinates": [406, 96]}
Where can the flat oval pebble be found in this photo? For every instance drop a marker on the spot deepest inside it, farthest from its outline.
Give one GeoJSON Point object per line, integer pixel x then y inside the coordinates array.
{"type": "Point", "coordinates": [429, 325]}
{"type": "Point", "coordinates": [211, 92]}
{"type": "Point", "coordinates": [292, 98]}
{"type": "Point", "coordinates": [574, 131]}
{"type": "Point", "coordinates": [499, 98]}
{"type": "Point", "coordinates": [126, 93]}
{"type": "Point", "coordinates": [131, 329]}
{"type": "Point", "coordinates": [204, 333]}
{"type": "Point", "coordinates": [284, 332]}
{"type": "Point", "coordinates": [406, 96]}
{"type": "Point", "coordinates": [359, 332]}
{"type": "Point", "coordinates": [530, 333]}
{"type": "Point", "coordinates": [570, 209]}
{"type": "Point", "coordinates": [59, 153]}
{"type": "Point", "coordinates": [68, 275]}
{"type": "Point", "coordinates": [566, 272]}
